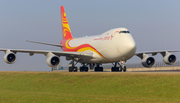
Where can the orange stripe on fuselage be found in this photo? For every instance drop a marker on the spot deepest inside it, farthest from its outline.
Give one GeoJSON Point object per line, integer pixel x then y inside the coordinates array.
{"type": "Point", "coordinates": [80, 48]}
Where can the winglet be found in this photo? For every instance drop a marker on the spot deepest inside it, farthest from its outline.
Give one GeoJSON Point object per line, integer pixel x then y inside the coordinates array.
{"type": "Point", "coordinates": [65, 26]}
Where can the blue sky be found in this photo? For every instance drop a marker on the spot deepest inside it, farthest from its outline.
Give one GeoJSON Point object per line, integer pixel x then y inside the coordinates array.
{"type": "Point", "coordinates": [154, 24]}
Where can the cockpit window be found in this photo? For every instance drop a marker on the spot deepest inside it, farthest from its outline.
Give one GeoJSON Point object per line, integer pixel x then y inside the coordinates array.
{"type": "Point", "coordinates": [124, 32]}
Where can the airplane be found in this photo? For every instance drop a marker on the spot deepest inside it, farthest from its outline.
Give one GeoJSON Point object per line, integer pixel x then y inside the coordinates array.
{"type": "Point", "coordinates": [114, 46]}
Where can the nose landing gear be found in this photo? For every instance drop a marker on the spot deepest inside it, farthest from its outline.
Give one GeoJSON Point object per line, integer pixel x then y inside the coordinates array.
{"type": "Point", "coordinates": [122, 66]}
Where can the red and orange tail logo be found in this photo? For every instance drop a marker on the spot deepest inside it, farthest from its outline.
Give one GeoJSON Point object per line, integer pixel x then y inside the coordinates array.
{"type": "Point", "coordinates": [65, 26]}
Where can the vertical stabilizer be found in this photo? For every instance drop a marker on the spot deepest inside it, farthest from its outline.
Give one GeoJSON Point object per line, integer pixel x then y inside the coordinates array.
{"type": "Point", "coordinates": [66, 32]}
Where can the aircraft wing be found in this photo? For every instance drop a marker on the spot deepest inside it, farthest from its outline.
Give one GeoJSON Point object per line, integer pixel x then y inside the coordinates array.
{"type": "Point", "coordinates": [153, 53]}
{"type": "Point", "coordinates": [57, 45]}
{"type": "Point", "coordinates": [58, 53]}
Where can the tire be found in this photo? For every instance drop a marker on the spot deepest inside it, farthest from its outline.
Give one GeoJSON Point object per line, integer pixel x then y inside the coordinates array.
{"type": "Point", "coordinates": [124, 69]}
{"type": "Point", "coordinates": [86, 69]}
{"type": "Point", "coordinates": [120, 68]}
{"type": "Point", "coordinates": [112, 69]}
{"type": "Point", "coordinates": [96, 69]}
{"type": "Point", "coordinates": [117, 69]}
{"type": "Point", "coordinates": [101, 69]}
{"type": "Point", "coordinates": [81, 69]}
{"type": "Point", "coordinates": [70, 69]}
{"type": "Point", "coordinates": [75, 69]}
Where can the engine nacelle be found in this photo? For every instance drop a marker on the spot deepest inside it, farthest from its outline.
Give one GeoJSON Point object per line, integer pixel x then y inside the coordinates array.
{"type": "Point", "coordinates": [9, 57]}
{"type": "Point", "coordinates": [148, 61]}
{"type": "Point", "coordinates": [52, 60]}
{"type": "Point", "coordinates": [169, 59]}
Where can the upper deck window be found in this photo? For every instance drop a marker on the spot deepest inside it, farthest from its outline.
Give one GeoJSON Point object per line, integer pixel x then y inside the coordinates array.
{"type": "Point", "coordinates": [124, 32]}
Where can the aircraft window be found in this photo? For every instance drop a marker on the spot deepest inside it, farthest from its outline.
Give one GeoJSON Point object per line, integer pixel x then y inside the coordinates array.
{"type": "Point", "coordinates": [124, 32]}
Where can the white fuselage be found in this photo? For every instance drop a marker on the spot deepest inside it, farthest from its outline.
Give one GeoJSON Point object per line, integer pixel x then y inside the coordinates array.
{"type": "Point", "coordinates": [111, 46]}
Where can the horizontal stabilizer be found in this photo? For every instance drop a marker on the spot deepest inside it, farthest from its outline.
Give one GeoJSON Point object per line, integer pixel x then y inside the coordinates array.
{"type": "Point", "coordinates": [58, 45]}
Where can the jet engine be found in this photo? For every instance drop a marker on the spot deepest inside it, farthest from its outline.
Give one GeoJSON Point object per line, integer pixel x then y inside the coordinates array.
{"type": "Point", "coordinates": [148, 61]}
{"type": "Point", "coordinates": [9, 57]}
{"type": "Point", "coordinates": [169, 59]}
{"type": "Point", "coordinates": [52, 60]}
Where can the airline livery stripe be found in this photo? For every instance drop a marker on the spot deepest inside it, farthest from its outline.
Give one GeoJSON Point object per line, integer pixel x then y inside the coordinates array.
{"type": "Point", "coordinates": [81, 48]}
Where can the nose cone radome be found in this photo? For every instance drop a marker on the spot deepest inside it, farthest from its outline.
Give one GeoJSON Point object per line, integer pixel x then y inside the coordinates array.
{"type": "Point", "coordinates": [131, 46]}
{"type": "Point", "coordinates": [131, 49]}
{"type": "Point", "coordinates": [127, 48]}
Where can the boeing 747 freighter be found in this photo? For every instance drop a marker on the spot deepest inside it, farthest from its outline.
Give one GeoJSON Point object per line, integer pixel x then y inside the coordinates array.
{"type": "Point", "coordinates": [114, 46]}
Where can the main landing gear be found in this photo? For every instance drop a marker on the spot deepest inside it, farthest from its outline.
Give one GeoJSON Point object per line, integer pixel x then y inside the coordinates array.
{"type": "Point", "coordinates": [98, 68]}
{"type": "Point", "coordinates": [73, 68]}
{"type": "Point", "coordinates": [84, 68]}
{"type": "Point", "coordinates": [121, 67]}
{"type": "Point", "coordinates": [115, 68]}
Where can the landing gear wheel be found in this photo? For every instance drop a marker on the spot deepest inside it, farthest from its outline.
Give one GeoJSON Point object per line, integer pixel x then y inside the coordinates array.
{"type": "Point", "coordinates": [98, 69]}
{"type": "Point", "coordinates": [115, 69]}
{"type": "Point", "coordinates": [112, 69]}
{"type": "Point", "coordinates": [83, 69]}
{"type": "Point", "coordinates": [75, 69]}
{"type": "Point", "coordinates": [120, 68]}
{"type": "Point", "coordinates": [124, 69]}
{"type": "Point", "coordinates": [86, 69]}
{"type": "Point", "coordinates": [123, 66]}
{"type": "Point", "coordinates": [101, 69]}
{"type": "Point", "coordinates": [72, 69]}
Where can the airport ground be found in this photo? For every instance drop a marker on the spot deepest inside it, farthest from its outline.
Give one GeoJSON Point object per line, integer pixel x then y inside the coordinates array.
{"type": "Point", "coordinates": [143, 69]}
{"type": "Point", "coordinates": [92, 87]}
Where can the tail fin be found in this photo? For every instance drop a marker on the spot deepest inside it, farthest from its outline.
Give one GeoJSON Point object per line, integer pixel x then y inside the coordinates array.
{"type": "Point", "coordinates": [65, 26]}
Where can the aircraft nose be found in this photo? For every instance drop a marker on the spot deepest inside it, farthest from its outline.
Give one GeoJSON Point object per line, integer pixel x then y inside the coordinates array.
{"type": "Point", "coordinates": [131, 46]}
{"type": "Point", "coordinates": [127, 46]}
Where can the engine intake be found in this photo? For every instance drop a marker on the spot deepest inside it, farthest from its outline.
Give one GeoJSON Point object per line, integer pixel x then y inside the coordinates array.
{"type": "Point", "coordinates": [10, 57]}
{"type": "Point", "coordinates": [148, 61]}
{"type": "Point", "coordinates": [52, 60]}
{"type": "Point", "coordinates": [169, 59]}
